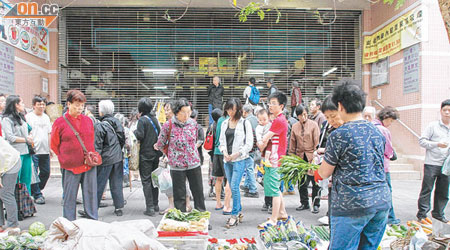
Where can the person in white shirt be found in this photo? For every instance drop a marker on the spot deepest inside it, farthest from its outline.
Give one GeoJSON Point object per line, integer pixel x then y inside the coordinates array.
{"type": "Point", "coordinates": [248, 89]}
{"type": "Point", "coordinates": [41, 128]}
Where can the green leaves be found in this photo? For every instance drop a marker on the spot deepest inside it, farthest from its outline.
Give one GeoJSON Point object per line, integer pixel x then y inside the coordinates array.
{"type": "Point", "coordinates": [257, 8]}
{"type": "Point", "coordinates": [399, 4]}
{"type": "Point", "coordinates": [294, 169]}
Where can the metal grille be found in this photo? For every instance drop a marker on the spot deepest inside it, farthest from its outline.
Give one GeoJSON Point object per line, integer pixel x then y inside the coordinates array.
{"type": "Point", "coordinates": [125, 54]}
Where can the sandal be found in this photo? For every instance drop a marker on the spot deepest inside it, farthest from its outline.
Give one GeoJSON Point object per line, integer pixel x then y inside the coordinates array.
{"type": "Point", "coordinates": [265, 224]}
{"type": "Point", "coordinates": [232, 224]}
{"type": "Point", "coordinates": [240, 217]}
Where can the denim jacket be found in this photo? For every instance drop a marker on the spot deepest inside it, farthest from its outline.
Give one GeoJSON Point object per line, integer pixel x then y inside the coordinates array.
{"type": "Point", "coordinates": [243, 139]}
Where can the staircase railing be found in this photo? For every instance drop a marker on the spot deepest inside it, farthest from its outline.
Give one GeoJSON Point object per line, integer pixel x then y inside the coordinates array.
{"type": "Point", "coordinates": [399, 121]}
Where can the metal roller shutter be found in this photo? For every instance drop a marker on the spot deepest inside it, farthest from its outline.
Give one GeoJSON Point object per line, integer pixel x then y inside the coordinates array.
{"type": "Point", "coordinates": [128, 53]}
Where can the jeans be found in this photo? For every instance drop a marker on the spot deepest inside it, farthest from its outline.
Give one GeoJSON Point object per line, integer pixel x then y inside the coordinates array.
{"type": "Point", "coordinates": [113, 173]}
{"type": "Point", "coordinates": [250, 180]}
{"type": "Point", "coordinates": [194, 177]}
{"type": "Point", "coordinates": [432, 174]}
{"type": "Point", "coordinates": [41, 163]}
{"type": "Point", "coordinates": [362, 233]}
{"type": "Point", "coordinates": [290, 187]}
{"type": "Point", "coordinates": [303, 190]}
{"type": "Point", "coordinates": [151, 193]}
{"type": "Point", "coordinates": [210, 109]}
{"type": "Point", "coordinates": [234, 172]}
{"type": "Point", "coordinates": [391, 218]}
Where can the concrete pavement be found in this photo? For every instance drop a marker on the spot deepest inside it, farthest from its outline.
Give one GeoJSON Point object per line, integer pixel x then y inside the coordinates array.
{"type": "Point", "coordinates": [405, 194]}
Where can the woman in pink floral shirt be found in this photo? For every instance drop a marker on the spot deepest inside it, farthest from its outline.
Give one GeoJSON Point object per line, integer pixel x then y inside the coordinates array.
{"type": "Point", "coordinates": [180, 133]}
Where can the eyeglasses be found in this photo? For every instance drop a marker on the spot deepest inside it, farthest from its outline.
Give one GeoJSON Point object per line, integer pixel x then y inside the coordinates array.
{"type": "Point", "coordinates": [273, 104]}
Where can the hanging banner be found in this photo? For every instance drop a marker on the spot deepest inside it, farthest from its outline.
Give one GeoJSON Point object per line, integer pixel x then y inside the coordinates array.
{"type": "Point", "coordinates": [405, 31]}
{"type": "Point", "coordinates": [6, 69]}
{"type": "Point", "coordinates": [24, 26]}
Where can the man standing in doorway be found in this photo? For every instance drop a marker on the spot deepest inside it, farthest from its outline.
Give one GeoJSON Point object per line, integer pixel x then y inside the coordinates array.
{"type": "Point", "coordinates": [303, 142]}
{"type": "Point", "coordinates": [317, 115]}
{"type": "Point", "coordinates": [436, 141]}
{"type": "Point", "coordinates": [41, 129]}
{"type": "Point", "coordinates": [215, 97]}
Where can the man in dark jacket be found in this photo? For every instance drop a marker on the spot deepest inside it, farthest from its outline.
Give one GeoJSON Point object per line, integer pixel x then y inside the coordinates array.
{"type": "Point", "coordinates": [109, 141]}
{"type": "Point", "coordinates": [147, 133]}
{"type": "Point", "coordinates": [215, 96]}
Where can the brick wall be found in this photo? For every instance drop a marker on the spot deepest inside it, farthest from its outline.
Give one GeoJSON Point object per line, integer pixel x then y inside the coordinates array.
{"type": "Point", "coordinates": [416, 109]}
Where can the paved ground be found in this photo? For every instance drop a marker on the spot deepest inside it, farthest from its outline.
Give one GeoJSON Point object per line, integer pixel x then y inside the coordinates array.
{"type": "Point", "coordinates": [405, 199]}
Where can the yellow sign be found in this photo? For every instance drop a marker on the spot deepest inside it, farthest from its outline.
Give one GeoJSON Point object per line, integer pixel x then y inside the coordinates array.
{"type": "Point", "coordinates": [405, 31]}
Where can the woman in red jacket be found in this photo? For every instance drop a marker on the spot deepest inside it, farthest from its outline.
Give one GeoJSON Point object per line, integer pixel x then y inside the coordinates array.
{"type": "Point", "coordinates": [71, 157]}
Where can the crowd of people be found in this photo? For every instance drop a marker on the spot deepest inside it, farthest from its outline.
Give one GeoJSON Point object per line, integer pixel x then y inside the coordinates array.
{"type": "Point", "coordinates": [351, 143]}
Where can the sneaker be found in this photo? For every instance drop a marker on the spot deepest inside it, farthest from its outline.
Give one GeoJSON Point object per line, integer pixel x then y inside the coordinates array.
{"type": "Point", "coordinates": [315, 210]}
{"type": "Point", "coordinates": [264, 207]}
{"type": "Point", "coordinates": [302, 207]}
{"type": "Point", "coordinates": [82, 213]}
{"type": "Point", "coordinates": [244, 188]}
{"type": "Point", "coordinates": [118, 212]}
{"type": "Point", "coordinates": [103, 204]}
{"type": "Point", "coordinates": [40, 200]}
{"type": "Point", "coordinates": [252, 195]}
{"type": "Point", "coordinates": [150, 212]}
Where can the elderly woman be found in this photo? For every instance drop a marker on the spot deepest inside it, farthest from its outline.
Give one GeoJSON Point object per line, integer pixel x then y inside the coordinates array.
{"type": "Point", "coordinates": [147, 133]}
{"type": "Point", "coordinates": [109, 141]}
{"type": "Point", "coordinates": [180, 134]}
{"type": "Point", "coordinates": [16, 132]}
{"type": "Point", "coordinates": [384, 119]}
{"type": "Point", "coordinates": [9, 169]}
{"type": "Point", "coordinates": [236, 141]}
{"type": "Point", "coordinates": [71, 156]}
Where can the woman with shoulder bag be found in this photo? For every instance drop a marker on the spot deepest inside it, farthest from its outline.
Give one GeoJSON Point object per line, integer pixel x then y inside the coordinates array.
{"type": "Point", "coordinates": [236, 141]}
{"type": "Point", "coordinates": [72, 140]}
{"type": "Point", "coordinates": [16, 132]}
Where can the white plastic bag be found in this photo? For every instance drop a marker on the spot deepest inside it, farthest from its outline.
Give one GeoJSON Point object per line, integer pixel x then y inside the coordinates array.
{"type": "Point", "coordinates": [418, 240]}
{"type": "Point", "coordinates": [164, 180]}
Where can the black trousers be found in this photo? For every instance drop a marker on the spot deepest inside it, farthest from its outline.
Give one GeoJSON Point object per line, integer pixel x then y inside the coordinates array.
{"type": "Point", "coordinates": [431, 175]}
{"type": "Point", "coordinates": [146, 167]}
{"type": "Point", "coordinates": [194, 177]}
{"type": "Point", "coordinates": [303, 191]}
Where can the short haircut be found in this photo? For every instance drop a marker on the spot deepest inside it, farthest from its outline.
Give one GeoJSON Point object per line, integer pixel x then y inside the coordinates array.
{"type": "Point", "coordinates": [234, 102]}
{"type": "Point", "coordinates": [350, 95]}
{"type": "Point", "coordinates": [328, 105]}
{"type": "Point", "coordinates": [218, 78]}
{"type": "Point", "coordinates": [90, 108]}
{"type": "Point", "coordinates": [38, 98]}
{"type": "Point", "coordinates": [145, 105]}
{"type": "Point", "coordinates": [317, 101]}
{"type": "Point", "coordinates": [280, 96]}
{"type": "Point", "coordinates": [270, 80]}
{"type": "Point", "coordinates": [74, 95]}
{"type": "Point", "coordinates": [252, 80]}
{"type": "Point", "coordinates": [1, 94]}
{"type": "Point", "coordinates": [262, 112]}
{"type": "Point", "coordinates": [371, 110]}
{"type": "Point", "coordinates": [248, 108]}
{"type": "Point", "coordinates": [194, 114]}
{"type": "Point", "coordinates": [106, 107]}
{"type": "Point", "coordinates": [123, 120]}
{"type": "Point", "coordinates": [300, 109]}
{"type": "Point", "coordinates": [179, 104]}
{"type": "Point", "coordinates": [445, 103]}
{"type": "Point", "coordinates": [216, 114]}
{"type": "Point", "coordinates": [388, 112]}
